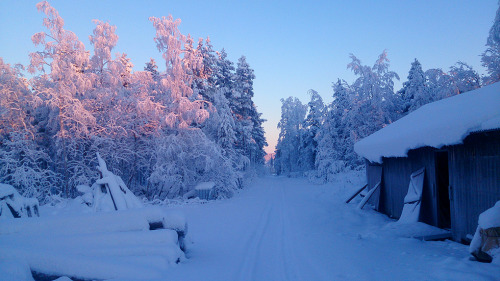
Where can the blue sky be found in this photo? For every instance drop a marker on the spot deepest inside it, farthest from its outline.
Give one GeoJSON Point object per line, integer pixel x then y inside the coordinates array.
{"type": "Point", "coordinates": [293, 46]}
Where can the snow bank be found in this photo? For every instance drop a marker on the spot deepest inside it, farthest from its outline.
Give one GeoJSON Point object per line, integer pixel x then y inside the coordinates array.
{"type": "Point", "coordinates": [119, 221]}
{"type": "Point", "coordinates": [135, 255]}
{"type": "Point", "coordinates": [444, 122]}
{"type": "Point", "coordinates": [100, 245]}
{"type": "Point", "coordinates": [81, 223]}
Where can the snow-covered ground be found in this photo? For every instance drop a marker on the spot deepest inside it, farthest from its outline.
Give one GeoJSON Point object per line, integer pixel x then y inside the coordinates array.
{"type": "Point", "coordinates": [289, 229]}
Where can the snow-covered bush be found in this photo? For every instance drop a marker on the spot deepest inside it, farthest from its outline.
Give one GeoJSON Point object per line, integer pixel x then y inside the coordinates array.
{"type": "Point", "coordinates": [187, 158]}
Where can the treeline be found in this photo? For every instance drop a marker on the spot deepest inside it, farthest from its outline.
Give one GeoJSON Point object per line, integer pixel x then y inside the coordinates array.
{"type": "Point", "coordinates": [318, 139]}
{"type": "Point", "coordinates": [163, 132]}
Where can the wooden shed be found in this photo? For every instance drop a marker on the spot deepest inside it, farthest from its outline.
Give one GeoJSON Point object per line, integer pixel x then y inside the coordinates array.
{"type": "Point", "coordinates": [457, 141]}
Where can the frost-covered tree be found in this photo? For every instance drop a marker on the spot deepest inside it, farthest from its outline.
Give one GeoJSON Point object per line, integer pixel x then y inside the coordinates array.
{"type": "Point", "coordinates": [440, 86]}
{"type": "Point", "coordinates": [205, 84]}
{"type": "Point", "coordinates": [16, 101]}
{"type": "Point", "coordinates": [224, 74]}
{"type": "Point", "coordinates": [335, 147]}
{"type": "Point", "coordinates": [312, 124]}
{"type": "Point", "coordinates": [23, 162]}
{"type": "Point", "coordinates": [181, 61]}
{"type": "Point", "coordinates": [148, 125]}
{"type": "Point", "coordinates": [290, 137]}
{"type": "Point", "coordinates": [464, 77]}
{"type": "Point", "coordinates": [63, 62]}
{"type": "Point", "coordinates": [414, 90]}
{"type": "Point", "coordinates": [374, 103]}
{"type": "Point", "coordinates": [185, 155]}
{"type": "Point", "coordinates": [491, 56]}
{"type": "Point", "coordinates": [152, 68]}
{"type": "Point", "coordinates": [258, 136]}
{"type": "Point", "coordinates": [249, 133]}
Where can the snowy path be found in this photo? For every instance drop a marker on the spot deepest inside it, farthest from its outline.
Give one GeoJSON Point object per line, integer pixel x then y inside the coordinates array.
{"type": "Point", "coordinates": [289, 229]}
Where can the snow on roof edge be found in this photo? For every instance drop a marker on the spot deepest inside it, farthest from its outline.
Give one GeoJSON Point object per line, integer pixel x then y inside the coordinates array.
{"type": "Point", "coordinates": [445, 122]}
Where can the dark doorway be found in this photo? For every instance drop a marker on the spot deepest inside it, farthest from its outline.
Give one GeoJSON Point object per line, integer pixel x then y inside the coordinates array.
{"type": "Point", "coordinates": [442, 183]}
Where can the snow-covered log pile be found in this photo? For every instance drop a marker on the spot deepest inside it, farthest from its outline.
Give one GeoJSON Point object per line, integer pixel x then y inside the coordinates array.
{"type": "Point", "coordinates": [117, 238]}
{"type": "Point", "coordinates": [101, 245]}
{"type": "Point", "coordinates": [486, 242]}
{"type": "Point", "coordinates": [13, 205]}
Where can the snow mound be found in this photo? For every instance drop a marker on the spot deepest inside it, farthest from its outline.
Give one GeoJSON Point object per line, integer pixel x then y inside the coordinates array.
{"type": "Point", "coordinates": [6, 190]}
{"type": "Point", "coordinates": [13, 205]}
{"type": "Point", "coordinates": [487, 219]}
{"type": "Point", "coordinates": [444, 122]}
{"type": "Point", "coordinates": [491, 217]}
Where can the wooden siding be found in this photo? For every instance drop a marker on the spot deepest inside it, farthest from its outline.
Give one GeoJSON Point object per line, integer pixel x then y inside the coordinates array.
{"type": "Point", "coordinates": [396, 178]}
{"type": "Point", "coordinates": [474, 169]}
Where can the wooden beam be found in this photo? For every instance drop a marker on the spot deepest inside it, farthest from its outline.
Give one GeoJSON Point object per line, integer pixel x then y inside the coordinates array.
{"type": "Point", "coordinates": [356, 194]}
{"type": "Point", "coordinates": [368, 196]}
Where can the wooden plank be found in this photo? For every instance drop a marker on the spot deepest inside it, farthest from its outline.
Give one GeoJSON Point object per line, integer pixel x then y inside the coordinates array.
{"type": "Point", "coordinates": [356, 194]}
{"type": "Point", "coordinates": [368, 195]}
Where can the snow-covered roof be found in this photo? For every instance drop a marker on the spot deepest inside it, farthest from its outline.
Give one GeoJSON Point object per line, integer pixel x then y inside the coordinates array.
{"type": "Point", "coordinates": [205, 185]}
{"type": "Point", "coordinates": [444, 122]}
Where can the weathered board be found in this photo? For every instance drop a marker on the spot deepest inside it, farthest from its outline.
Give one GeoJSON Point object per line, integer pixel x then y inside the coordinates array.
{"type": "Point", "coordinates": [474, 180]}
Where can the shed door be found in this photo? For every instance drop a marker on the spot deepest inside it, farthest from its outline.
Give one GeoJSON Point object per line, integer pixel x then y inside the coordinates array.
{"type": "Point", "coordinates": [413, 199]}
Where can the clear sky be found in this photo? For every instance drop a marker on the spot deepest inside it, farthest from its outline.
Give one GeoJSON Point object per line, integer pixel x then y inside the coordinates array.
{"type": "Point", "coordinates": [293, 46]}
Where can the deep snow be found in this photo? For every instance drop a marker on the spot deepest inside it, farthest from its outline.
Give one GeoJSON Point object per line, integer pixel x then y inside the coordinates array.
{"type": "Point", "coordinates": [289, 229]}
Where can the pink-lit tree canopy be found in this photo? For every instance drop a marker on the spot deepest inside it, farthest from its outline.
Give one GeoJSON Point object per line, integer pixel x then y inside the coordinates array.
{"type": "Point", "coordinates": [150, 126]}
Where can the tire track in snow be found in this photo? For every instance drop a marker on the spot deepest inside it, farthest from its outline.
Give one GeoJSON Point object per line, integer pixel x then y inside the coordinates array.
{"type": "Point", "coordinates": [298, 264]}
{"type": "Point", "coordinates": [286, 246]}
{"type": "Point", "coordinates": [253, 244]}
{"type": "Point", "coordinates": [273, 250]}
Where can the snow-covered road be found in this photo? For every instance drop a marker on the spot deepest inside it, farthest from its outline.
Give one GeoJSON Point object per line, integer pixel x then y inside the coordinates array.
{"type": "Point", "coordinates": [277, 228]}
{"type": "Point", "coordinates": [289, 229]}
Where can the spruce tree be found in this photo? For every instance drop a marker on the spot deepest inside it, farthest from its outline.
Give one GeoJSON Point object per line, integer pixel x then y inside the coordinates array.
{"type": "Point", "coordinates": [414, 89]}
{"type": "Point", "coordinates": [312, 124]}
{"type": "Point", "coordinates": [491, 56]}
